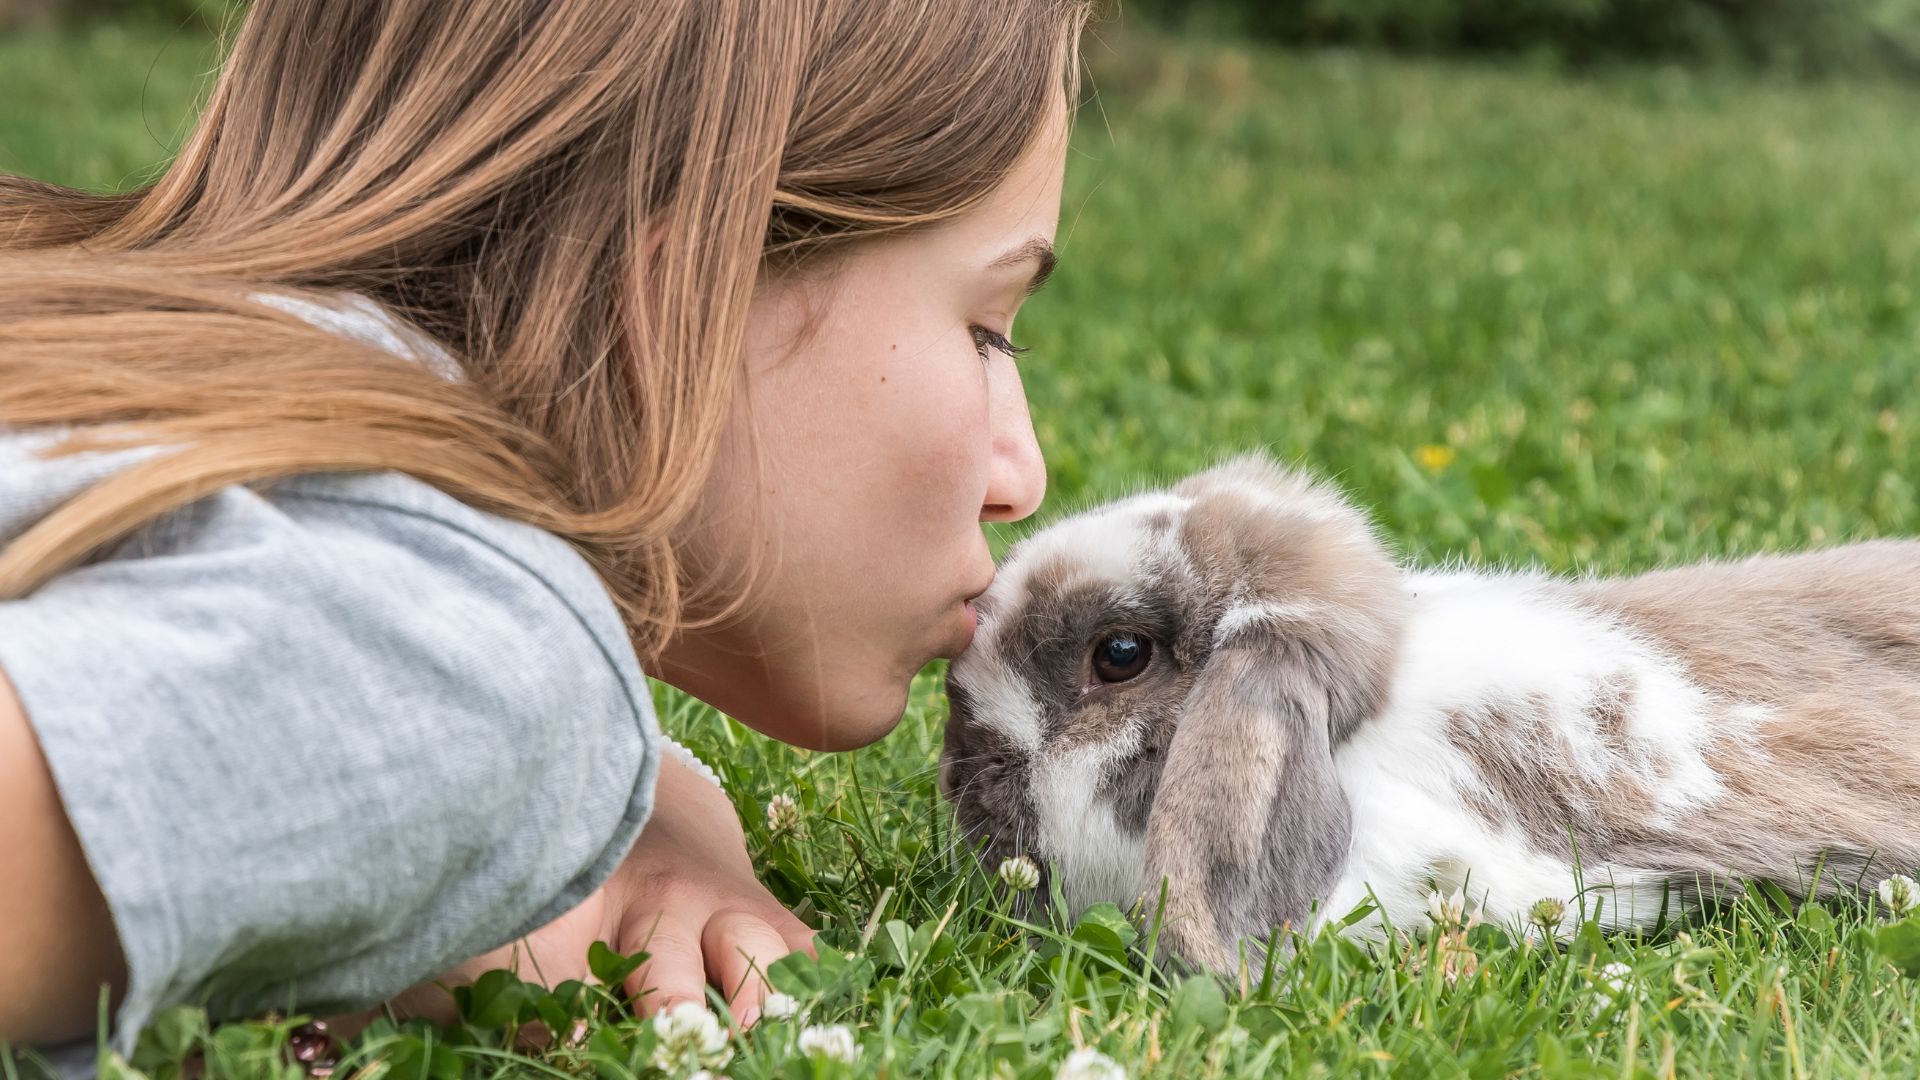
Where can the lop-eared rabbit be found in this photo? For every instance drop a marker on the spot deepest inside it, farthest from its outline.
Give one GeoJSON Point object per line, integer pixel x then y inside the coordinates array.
{"type": "Point", "coordinates": [1231, 687]}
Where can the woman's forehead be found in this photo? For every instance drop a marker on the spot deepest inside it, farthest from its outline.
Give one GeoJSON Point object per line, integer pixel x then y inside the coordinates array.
{"type": "Point", "coordinates": [1025, 206]}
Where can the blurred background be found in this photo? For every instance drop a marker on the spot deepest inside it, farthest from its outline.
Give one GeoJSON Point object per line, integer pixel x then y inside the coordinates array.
{"type": "Point", "coordinates": [1584, 283]}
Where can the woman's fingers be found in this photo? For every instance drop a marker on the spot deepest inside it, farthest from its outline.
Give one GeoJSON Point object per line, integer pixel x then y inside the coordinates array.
{"type": "Point", "coordinates": [674, 970]}
{"type": "Point", "coordinates": [739, 949]}
{"type": "Point", "coordinates": [732, 952]}
{"type": "Point", "coordinates": [686, 895]}
{"type": "Point", "coordinates": [798, 936]}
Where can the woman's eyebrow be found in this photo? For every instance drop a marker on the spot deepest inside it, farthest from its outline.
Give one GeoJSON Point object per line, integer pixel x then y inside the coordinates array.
{"type": "Point", "coordinates": [1038, 250]}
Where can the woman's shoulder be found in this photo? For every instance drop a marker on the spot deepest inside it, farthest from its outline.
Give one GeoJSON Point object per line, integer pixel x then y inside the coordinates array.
{"type": "Point", "coordinates": [373, 555]}
{"type": "Point", "coordinates": [426, 526]}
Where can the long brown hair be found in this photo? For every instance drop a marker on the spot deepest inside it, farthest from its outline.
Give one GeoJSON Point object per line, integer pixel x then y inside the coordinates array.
{"type": "Point", "coordinates": [573, 197]}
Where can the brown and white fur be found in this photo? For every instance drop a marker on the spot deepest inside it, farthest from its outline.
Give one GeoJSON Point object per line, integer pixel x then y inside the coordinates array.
{"type": "Point", "coordinates": [1316, 724]}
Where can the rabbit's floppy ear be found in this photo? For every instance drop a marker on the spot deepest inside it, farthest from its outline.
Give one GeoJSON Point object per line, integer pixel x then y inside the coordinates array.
{"type": "Point", "coordinates": [1249, 823]}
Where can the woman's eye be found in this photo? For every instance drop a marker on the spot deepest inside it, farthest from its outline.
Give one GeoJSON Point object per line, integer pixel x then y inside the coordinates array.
{"type": "Point", "coordinates": [984, 339]}
{"type": "Point", "coordinates": [1119, 657]}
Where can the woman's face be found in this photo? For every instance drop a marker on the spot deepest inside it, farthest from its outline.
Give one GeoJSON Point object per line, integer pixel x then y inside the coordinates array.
{"type": "Point", "coordinates": [882, 422]}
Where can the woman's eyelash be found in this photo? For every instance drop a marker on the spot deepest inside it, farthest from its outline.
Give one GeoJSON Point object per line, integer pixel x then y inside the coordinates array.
{"type": "Point", "coordinates": [986, 339]}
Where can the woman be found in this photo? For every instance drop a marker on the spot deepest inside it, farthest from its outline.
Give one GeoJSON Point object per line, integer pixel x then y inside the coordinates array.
{"type": "Point", "coordinates": [470, 359]}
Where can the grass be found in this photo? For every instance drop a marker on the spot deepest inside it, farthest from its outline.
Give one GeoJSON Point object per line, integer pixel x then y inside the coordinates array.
{"type": "Point", "coordinates": [1604, 322]}
{"type": "Point", "coordinates": [98, 108]}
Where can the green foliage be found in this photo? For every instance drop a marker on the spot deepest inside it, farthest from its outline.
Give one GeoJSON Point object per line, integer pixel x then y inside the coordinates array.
{"type": "Point", "coordinates": [1900, 944]}
{"type": "Point", "coordinates": [1605, 322]}
{"type": "Point", "coordinates": [1795, 35]}
{"type": "Point", "coordinates": [1762, 991]}
{"type": "Point", "coordinates": [1599, 323]}
{"type": "Point", "coordinates": [198, 14]}
{"type": "Point", "coordinates": [98, 107]}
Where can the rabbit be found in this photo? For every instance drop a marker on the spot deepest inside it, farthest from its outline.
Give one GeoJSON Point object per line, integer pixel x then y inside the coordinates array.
{"type": "Point", "coordinates": [1233, 688]}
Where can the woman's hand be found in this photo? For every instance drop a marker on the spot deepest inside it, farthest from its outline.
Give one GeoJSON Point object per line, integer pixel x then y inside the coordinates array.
{"type": "Point", "coordinates": [686, 895]}
{"type": "Point", "coordinates": [689, 898]}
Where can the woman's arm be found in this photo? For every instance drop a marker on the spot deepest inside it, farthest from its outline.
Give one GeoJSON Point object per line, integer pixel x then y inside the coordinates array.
{"type": "Point", "coordinates": [57, 941]}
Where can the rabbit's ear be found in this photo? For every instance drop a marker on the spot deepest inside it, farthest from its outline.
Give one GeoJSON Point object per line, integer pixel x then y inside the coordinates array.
{"type": "Point", "coordinates": [1249, 824]}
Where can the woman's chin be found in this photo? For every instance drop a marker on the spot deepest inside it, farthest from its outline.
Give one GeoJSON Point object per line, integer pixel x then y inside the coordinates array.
{"type": "Point", "coordinates": [847, 738]}
{"type": "Point", "coordinates": [839, 722]}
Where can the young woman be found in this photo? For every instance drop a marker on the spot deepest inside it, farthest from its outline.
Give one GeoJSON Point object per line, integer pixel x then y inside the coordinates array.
{"type": "Point", "coordinates": [469, 360]}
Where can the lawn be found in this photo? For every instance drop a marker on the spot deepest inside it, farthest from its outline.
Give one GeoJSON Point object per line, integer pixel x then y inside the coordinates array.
{"type": "Point", "coordinates": [1603, 321]}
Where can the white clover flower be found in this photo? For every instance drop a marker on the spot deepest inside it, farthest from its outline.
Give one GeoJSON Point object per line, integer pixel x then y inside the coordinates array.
{"type": "Point", "coordinates": [1087, 1063]}
{"type": "Point", "coordinates": [1019, 873]}
{"type": "Point", "coordinates": [1611, 988]}
{"type": "Point", "coordinates": [1447, 911]}
{"type": "Point", "coordinates": [833, 1042]}
{"type": "Point", "coordinates": [783, 814]}
{"type": "Point", "coordinates": [1547, 914]}
{"type": "Point", "coordinates": [1614, 976]}
{"type": "Point", "coordinates": [702, 1074]}
{"type": "Point", "coordinates": [779, 1006]}
{"type": "Point", "coordinates": [690, 1037]}
{"type": "Point", "coordinates": [1610, 985]}
{"type": "Point", "coordinates": [1900, 894]}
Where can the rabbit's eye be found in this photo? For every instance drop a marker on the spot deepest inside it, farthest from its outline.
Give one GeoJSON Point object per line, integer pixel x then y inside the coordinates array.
{"type": "Point", "coordinates": [1119, 657]}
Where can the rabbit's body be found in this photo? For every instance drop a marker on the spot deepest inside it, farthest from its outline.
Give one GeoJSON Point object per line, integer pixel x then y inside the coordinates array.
{"type": "Point", "coordinates": [1339, 728]}
{"type": "Point", "coordinates": [1529, 713]}
{"type": "Point", "coordinates": [1513, 707]}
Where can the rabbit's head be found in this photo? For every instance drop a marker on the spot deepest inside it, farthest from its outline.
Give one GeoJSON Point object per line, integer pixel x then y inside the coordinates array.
{"type": "Point", "coordinates": [1154, 693]}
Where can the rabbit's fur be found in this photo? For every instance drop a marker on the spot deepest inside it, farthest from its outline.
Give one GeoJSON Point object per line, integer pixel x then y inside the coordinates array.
{"type": "Point", "coordinates": [1315, 724]}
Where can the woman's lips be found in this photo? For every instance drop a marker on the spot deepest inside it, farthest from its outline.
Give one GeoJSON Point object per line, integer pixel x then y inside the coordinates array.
{"type": "Point", "coordinates": [973, 624]}
{"type": "Point", "coordinates": [971, 614]}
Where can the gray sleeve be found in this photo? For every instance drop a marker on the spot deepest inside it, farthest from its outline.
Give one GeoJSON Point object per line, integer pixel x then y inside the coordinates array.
{"type": "Point", "coordinates": [325, 742]}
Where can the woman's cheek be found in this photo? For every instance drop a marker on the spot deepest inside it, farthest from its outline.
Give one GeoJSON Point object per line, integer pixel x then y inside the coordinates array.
{"type": "Point", "coordinates": [957, 435]}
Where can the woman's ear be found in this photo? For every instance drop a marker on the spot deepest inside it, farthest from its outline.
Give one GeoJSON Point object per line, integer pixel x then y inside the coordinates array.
{"type": "Point", "coordinates": [1249, 823]}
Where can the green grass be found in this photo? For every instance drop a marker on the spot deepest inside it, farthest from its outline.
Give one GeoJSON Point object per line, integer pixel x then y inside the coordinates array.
{"type": "Point", "coordinates": [99, 107]}
{"type": "Point", "coordinates": [1608, 322]}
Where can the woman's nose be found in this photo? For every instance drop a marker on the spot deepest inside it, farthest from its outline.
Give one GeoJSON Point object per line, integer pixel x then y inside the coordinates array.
{"type": "Point", "coordinates": [1018, 477]}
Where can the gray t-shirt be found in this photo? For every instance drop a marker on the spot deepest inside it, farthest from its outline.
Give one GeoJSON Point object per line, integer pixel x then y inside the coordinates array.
{"type": "Point", "coordinates": [325, 741]}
